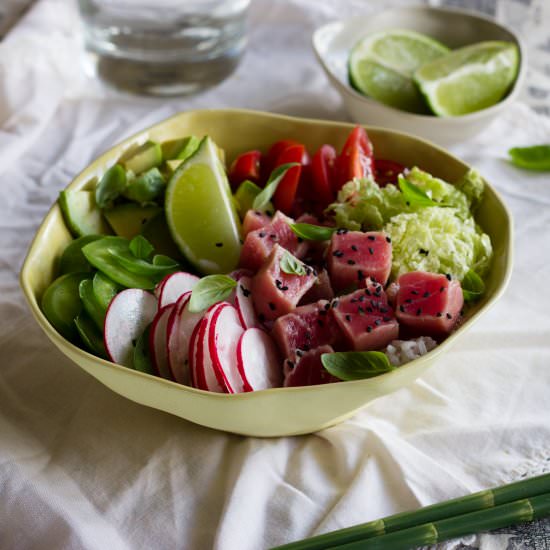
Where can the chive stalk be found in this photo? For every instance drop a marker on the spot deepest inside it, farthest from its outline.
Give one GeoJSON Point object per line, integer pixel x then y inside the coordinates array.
{"type": "Point", "coordinates": [486, 510]}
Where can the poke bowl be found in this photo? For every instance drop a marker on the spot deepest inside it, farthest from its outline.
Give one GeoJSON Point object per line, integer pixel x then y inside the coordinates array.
{"type": "Point", "coordinates": [275, 411]}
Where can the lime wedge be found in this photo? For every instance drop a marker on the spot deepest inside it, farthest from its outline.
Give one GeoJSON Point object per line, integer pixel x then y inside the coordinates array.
{"type": "Point", "coordinates": [382, 64]}
{"type": "Point", "coordinates": [470, 78]}
{"type": "Point", "coordinates": [201, 213]}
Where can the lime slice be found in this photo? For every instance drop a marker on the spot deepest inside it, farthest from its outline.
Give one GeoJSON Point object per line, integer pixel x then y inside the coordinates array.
{"type": "Point", "coordinates": [382, 64]}
{"type": "Point", "coordinates": [470, 78]}
{"type": "Point", "coordinates": [201, 213]}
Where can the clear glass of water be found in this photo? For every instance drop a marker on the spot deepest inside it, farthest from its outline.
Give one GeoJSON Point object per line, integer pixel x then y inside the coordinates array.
{"type": "Point", "coordinates": [164, 47]}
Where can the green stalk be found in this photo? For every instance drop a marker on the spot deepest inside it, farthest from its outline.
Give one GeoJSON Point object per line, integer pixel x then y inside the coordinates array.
{"type": "Point", "coordinates": [504, 515]}
{"type": "Point", "coordinates": [406, 520]}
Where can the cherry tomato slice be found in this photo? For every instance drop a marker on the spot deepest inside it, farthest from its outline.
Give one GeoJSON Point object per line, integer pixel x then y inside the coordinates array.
{"type": "Point", "coordinates": [245, 167]}
{"type": "Point", "coordinates": [322, 166]}
{"type": "Point", "coordinates": [269, 161]}
{"type": "Point", "coordinates": [286, 191]}
{"type": "Point", "coordinates": [355, 160]}
{"type": "Point", "coordinates": [386, 171]}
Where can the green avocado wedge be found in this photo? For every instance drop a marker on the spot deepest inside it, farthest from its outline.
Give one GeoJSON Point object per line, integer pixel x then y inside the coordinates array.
{"type": "Point", "coordinates": [128, 220]}
{"type": "Point", "coordinates": [81, 213]}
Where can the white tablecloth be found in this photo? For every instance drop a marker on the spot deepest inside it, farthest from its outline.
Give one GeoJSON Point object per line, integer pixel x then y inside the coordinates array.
{"type": "Point", "coordinates": [81, 467]}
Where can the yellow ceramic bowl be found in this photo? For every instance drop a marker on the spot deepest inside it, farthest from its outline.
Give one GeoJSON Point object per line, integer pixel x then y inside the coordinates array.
{"type": "Point", "coordinates": [280, 411]}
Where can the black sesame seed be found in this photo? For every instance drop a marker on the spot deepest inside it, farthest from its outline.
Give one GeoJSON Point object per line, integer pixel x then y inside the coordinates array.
{"type": "Point", "coordinates": [261, 317]}
{"type": "Point", "coordinates": [273, 236]}
{"type": "Point", "coordinates": [219, 245]}
{"type": "Point", "coordinates": [368, 292]}
{"type": "Point", "coordinates": [383, 310]}
{"type": "Point", "coordinates": [408, 301]}
{"type": "Point", "coordinates": [418, 311]}
{"type": "Point", "coordinates": [284, 288]}
{"type": "Point", "coordinates": [386, 319]}
{"type": "Point", "coordinates": [438, 314]}
{"type": "Point", "coordinates": [278, 283]}
{"type": "Point", "coordinates": [449, 316]}
{"type": "Point", "coordinates": [448, 276]}
{"type": "Point", "coordinates": [371, 251]}
{"type": "Point", "coordinates": [351, 262]}
{"type": "Point", "coordinates": [369, 309]}
{"type": "Point", "coordinates": [369, 329]}
{"type": "Point", "coordinates": [360, 274]}
{"type": "Point", "coordinates": [335, 303]}
{"type": "Point", "coordinates": [388, 239]}
{"type": "Point", "coordinates": [348, 318]}
{"type": "Point", "coordinates": [320, 322]}
{"type": "Point", "coordinates": [361, 309]}
{"type": "Point", "coordinates": [423, 251]}
{"type": "Point", "coordinates": [354, 248]}
{"type": "Point", "coordinates": [261, 234]}
{"type": "Point", "coordinates": [290, 363]}
{"type": "Point", "coordinates": [362, 298]}
{"type": "Point", "coordinates": [327, 307]}
{"type": "Point", "coordinates": [414, 292]}
{"type": "Point", "coordinates": [377, 322]}
{"type": "Point", "coordinates": [371, 238]}
{"type": "Point", "coordinates": [402, 309]}
{"type": "Point", "coordinates": [426, 294]}
{"type": "Point", "coordinates": [442, 289]}
{"type": "Point", "coordinates": [257, 212]}
{"type": "Point", "coordinates": [299, 352]}
{"type": "Point", "coordinates": [307, 347]}
{"type": "Point", "coordinates": [338, 253]}
{"type": "Point", "coordinates": [271, 306]}
{"type": "Point", "coordinates": [246, 292]}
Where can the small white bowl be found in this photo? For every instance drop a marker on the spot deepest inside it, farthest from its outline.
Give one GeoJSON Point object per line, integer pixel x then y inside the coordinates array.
{"type": "Point", "coordinates": [455, 28]}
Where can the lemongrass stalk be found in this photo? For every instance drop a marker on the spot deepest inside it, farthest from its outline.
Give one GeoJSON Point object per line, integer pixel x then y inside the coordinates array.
{"type": "Point", "coordinates": [511, 513]}
{"type": "Point", "coordinates": [429, 514]}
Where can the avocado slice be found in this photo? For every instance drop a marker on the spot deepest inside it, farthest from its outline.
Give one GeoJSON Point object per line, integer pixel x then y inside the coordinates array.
{"type": "Point", "coordinates": [128, 219]}
{"type": "Point", "coordinates": [179, 148]}
{"type": "Point", "coordinates": [142, 158]}
{"type": "Point", "coordinates": [245, 195]}
{"type": "Point", "coordinates": [145, 188]}
{"type": "Point", "coordinates": [81, 213]}
{"type": "Point", "coordinates": [172, 165]}
{"type": "Point", "coordinates": [157, 233]}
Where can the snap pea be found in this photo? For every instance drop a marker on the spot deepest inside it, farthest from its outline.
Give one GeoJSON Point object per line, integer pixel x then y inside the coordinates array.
{"type": "Point", "coordinates": [91, 336]}
{"type": "Point", "coordinates": [91, 304]}
{"type": "Point", "coordinates": [72, 259]}
{"type": "Point", "coordinates": [105, 289]}
{"type": "Point", "coordinates": [145, 188]}
{"type": "Point", "coordinates": [61, 304]}
{"type": "Point", "coordinates": [110, 186]}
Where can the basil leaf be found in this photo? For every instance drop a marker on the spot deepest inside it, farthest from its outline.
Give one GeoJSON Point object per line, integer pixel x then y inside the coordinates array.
{"type": "Point", "coordinates": [356, 365]}
{"type": "Point", "coordinates": [261, 201]}
{"type": "Point", "coordinates": [161, 259]}
{"type": "Point", "coordinates": [472, 286]}
{"type": "Point", "coordinates": [291, 265]}
{"type": "Point", "coordinates": [140, 247]}
{"type": "Point", "coordinates": [536, 157]}
{"type": "Point", "coordinates": [110, 186]}
{"type": "Point", "coordinates": [414, 196]}
{"type": "Point", "coordinates": [209, 290]}
{"type": "Point", "coordinates": [311, 232]}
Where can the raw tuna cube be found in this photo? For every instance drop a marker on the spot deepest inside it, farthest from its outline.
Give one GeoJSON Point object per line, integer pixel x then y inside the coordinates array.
{"type": "Point", "coordinates": [353, 256]}
{"type": "Point", "coordinates": [275, 292]}
{"type": "Point", "coordinates": [365, 317]}
{"type": "Point", "coordinates": [321, 290]}
{"type": "Point", "coordinates": [428, 303]}
{"type": "Point", "coordinates": [305, 328]}
{"type": "Point", "coordinates": [253, 220]}
{"type": "Point", "coordinates": [309, 370]}
{"type": "Point", "coordinates": [259, 243]}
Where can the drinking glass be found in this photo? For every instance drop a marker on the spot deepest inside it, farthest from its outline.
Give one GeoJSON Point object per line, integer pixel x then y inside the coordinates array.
{"type": "Point", "coordinates": [164, 47]}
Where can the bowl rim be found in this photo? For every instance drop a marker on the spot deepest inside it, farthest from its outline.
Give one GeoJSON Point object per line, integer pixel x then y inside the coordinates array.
{"type": "Point", "coordinates": [434, 119]}
{"type": "Point", "coordinates": [83, 177]}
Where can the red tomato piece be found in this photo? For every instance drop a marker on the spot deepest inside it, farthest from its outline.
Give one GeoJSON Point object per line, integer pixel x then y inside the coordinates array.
{"type": "Point", "coordinates": [355, 160]}
{"type": "Point", "coordinates": [386, 171]}
{"type": "Point", "coordinates": [245, 167]}
{"type": "Point", "coordinates": [322, 166]}
{"type": "Point", "coordinates": [270, 159]}
{"type": "Point", "coordinates": [283, 198]}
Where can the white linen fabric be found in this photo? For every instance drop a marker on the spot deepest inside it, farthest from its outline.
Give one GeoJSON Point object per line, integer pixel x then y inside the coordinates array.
{"type": "Point", "coordinates": [81, 467]}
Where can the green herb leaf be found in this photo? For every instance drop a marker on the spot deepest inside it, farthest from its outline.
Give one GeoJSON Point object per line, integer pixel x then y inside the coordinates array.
{"type": "Point", "coordinates": [536, 157]}
{"type": "Point", "coordinates": [356, 365]}
{"type": "Point", "coordinates": [311, 232]}
{"type": "Point", "coordinates": [166, 261]}
{"type": "Point", "coordinates": [472, 286]}
{"type": "Point", "coordinates": [292, 265]}
{"type": "Point", "coordinates": [209, 290]}
{"type": "Point", "coordinates": [415, 196]}
{"type": "Point", "coordinates": [110, 186]}
{"type": "Point", "coordinates": [261, 201]}
{"type": "Point", "coordinates": [140, 247]}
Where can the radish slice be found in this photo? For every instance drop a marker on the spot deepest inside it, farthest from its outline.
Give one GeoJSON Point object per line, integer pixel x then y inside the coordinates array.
{"type": "Point", "coordinates": [174, 285]}
{"type": "Point", "coordinates": [244, 305]}
{"type": "Point", "coordinates": [258, 360]}
{"type": "Point", "coordinates": [224, 332]}
{"type": "Point", "coordinates": [157, 341]}
{"type": "Point", "coordinates": [193, 350]}
{"type": "Point", "coordinates": [208, 376]}
{"type": "Point", "coordinates": [181, 325]}
{"type": "Point", "coordinates": [128, 315]}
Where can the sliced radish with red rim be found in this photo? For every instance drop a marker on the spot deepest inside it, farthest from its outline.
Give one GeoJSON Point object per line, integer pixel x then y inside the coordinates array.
{"type": "Point", "coordinates": [173, 286]}
{"type": "Point", "coordinates": [258, 361]}
{"type": "Point", "coordinates": [129, 313]}
{"type": "Point", "coordinates": [244, 303]}
{"type": "Point", "coordinates": [157, 341]}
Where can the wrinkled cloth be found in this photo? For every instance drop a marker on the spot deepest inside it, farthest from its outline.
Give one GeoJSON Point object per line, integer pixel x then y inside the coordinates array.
{"type": "Point", "coordinates": [81, 467]}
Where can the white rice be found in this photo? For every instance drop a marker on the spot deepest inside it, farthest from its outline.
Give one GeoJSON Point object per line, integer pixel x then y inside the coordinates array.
{"type": "Point", "coordinates": [400, 352]}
